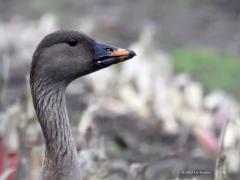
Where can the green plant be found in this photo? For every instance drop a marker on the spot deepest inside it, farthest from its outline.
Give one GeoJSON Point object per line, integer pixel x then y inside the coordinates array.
{"type": "Point", "coordinates": [213, 70]}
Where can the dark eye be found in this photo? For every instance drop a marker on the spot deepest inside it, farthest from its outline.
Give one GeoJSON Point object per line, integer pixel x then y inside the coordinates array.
{"type": "Point", "coordinates": [72, 42]}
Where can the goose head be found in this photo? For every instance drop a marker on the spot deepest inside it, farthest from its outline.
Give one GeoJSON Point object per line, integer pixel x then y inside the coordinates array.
{"type": "Point", "coordinates": [65, 55]}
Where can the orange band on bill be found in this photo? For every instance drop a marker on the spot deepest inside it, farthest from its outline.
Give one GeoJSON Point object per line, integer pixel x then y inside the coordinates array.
{"type": "Point", "coordinates": [120, 52]}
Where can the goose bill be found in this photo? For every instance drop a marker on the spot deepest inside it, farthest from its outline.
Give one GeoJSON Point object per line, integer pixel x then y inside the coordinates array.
{"type": "Point", "coordinates": [106, 55]}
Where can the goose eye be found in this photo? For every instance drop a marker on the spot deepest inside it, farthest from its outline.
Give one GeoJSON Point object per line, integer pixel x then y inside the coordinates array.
{"type": "Point", "coordinates": [72, 42]}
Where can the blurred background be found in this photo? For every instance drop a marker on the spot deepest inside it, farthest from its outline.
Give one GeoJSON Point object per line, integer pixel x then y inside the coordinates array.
{"type": "Point", "coordinates": [173, 108]}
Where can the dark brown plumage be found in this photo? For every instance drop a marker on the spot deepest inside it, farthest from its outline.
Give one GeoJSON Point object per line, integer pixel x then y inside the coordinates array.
{"type": "Point", "coordinates": [60, 58]}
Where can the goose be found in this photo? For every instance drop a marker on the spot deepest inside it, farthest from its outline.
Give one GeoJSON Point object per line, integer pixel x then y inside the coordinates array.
{"type": "Point", "coordinates": [60, 58]}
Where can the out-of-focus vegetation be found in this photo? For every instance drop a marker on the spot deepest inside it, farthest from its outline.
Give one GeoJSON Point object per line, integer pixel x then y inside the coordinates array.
{"type": "Point", "coordinates": [213, 69]}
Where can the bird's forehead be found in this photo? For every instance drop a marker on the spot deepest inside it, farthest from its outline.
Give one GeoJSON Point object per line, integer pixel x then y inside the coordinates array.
{"type": "Point", "coordinates": [60, 37]}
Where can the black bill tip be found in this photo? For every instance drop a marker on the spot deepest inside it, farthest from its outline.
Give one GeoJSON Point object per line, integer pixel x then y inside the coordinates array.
{"type": "Point", "coordinates": [131, 54]}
